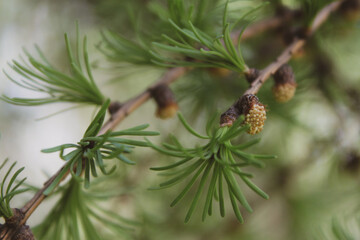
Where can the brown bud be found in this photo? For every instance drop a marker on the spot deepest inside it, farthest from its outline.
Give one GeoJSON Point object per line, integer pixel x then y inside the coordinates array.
{"type": "Point", "coordinates": [254, 112]}
{"type": "Point", "coordinates": [219, 72]}
{"type": "Point", "coordinates": [15, 219]}
{"type": "Point", "coordinates": [21, 232]}
{"type": "Point", "coordinates": [114, 106]}
{"type": "Point", "coordinates": [285, 85]}
{"type": "Point", "coordinates": [252, 74]}
{"type": "Point", "coordinates": [24, 233]}
{"type": "Point", "coordinates": [229, 117]}
{"type": "Point", "coordinates": [165, 100]}
{"type": "Point", "coordinates": [284, 92]}
{"type": "Point", "coordinates": [168, 111]}
{"type": "Point", "coordinates": [351, 162]}
{"type": "Point", "coordinates": [350, 9]}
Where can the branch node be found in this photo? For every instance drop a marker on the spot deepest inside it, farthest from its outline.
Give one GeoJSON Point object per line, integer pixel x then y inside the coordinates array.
{"type": "Point", "coordinates": [14, 229]}
{"type": "Point", "coordinates": [229, 116]}
{"type": "Point", "coordinates": [252, 74]}
{"type": "Point", "coordinates": [24, 233]}
{"type": "Point", "coordinates": [15, 219]}
{"type": "Point", "coordinates": [114, 107]}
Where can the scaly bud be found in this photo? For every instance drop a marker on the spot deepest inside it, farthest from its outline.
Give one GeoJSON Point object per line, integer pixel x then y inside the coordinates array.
{"type": "Point", "coordinates": [24, 233]}
{"type": "Point", "coordinates": [285, 85]}
{"type": "Point", "coordinates": [229, 117]}
{"type": "Point", "coordinates": [252, 74]}
{"type": "Point", "coordinates": [114, 107]}
{"type": "Point", "coordinates": [254, 112]}
{"type": "Point", "coordinates": [164, 98]}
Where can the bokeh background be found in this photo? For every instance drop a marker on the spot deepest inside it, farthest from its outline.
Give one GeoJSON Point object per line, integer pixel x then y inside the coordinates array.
{"type": "Point", "coordinates": [314, 182]}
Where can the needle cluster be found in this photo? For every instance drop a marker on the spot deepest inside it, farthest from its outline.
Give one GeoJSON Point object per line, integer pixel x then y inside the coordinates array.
{"type": "Point", "coordinates": [213, 168]}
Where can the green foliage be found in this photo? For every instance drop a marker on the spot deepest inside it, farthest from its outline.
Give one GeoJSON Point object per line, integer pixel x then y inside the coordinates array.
{"type": "Point", "coordinates": [187, 29]}
{"type": "Point", "coordinates": [117, 48]}
{"type": "Point", "coordinates": [181, 12]}
{"type": "Point", "coordinates": [202, 50]}
{"type": "Point", "coordinates": [10, 190]}
{"type": "Point", "coordinates": [341, 228]}
{"type": "Point", "coordinates": [91, 151]}
{"type": "Point", "coordinates": [40, 76]}
{"type": "Point", "coordinates": [81, 216]}
{"type": "Point", "coordinates": [135, 50]}
{"type": "Point", "coordinates": [219, 160]}
{"type": "Point", "coordinates": [340, 232]}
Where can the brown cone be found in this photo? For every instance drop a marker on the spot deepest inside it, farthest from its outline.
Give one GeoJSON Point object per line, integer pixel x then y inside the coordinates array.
{"type": "Point", "coordinates": [254, 112]}
{"type": "Point", "coordinates": [285, 85]}
{"type": "Point", "coordinates": [165, 100]}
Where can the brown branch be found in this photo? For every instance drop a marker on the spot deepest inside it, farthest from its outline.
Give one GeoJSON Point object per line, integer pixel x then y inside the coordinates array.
{"type": "Point", "coordinates": [173, 74]}
{"type": "Point", "coordinates": [286, 55]}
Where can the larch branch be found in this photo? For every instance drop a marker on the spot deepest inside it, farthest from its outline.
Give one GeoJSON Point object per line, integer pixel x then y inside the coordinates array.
{"type": "Point", "coordinates": [173, 74]}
